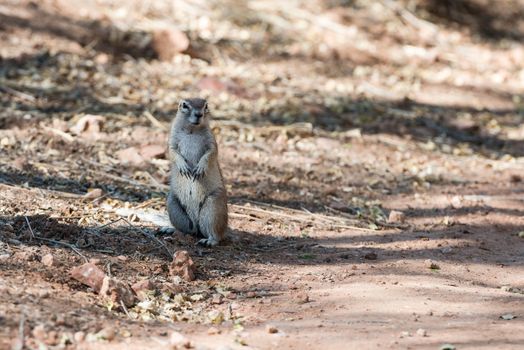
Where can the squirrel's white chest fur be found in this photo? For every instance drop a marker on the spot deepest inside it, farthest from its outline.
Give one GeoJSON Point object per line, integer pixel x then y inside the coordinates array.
{"type": "Point", "coordinates": [193, 148]}
{"type": "Point", "coordinates": [192, 192]}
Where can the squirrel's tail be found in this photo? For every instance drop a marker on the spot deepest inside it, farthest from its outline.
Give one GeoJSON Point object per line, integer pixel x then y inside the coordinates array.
{"type": "Point", "coordinates": [152, 216]}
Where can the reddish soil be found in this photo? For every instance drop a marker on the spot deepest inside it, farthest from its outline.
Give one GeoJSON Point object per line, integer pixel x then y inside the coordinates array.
{"type": "Point", "coordinates": [319, 141]}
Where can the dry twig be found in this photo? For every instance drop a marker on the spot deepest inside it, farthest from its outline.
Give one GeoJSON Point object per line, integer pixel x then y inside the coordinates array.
{"type": "Point", "coordinates": [19, 94]}
{"type": "Point", "coordinates": [20, 342]}
{"type": "Point", "coordinates": [72, 247]}
{"type": "Point", "coordinates": [125, 309]}
{"type": "Point", "coordinates": [154, 121]}
{"type": "Point", "coordinates": [60, 133]}
{"type": "Point", "coordinates": [152, 237]}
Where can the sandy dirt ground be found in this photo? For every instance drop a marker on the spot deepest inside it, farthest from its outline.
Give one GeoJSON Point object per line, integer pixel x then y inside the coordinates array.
{"type": "Point", "coordinates": [373, 155]}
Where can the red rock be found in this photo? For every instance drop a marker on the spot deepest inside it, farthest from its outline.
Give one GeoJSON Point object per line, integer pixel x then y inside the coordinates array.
{"type": "Point", "coordinates": [52, 338]}
{"type": "Point", "coordinates": [130, 155]}
{"type": "Point", "coordinates": [217, 299]}
{"type": "Point", "coordinates": [231, 296]}
{"type": "Point", "coordinates": [117, 291]}
{"type": "Point", "coordinates": [102, 58]}
{"type": "Point", "coordinates": [251, 294]}
{"type": "Point", "coordinates": [179, 341]}
{"type": "Point", "coordinates": [212, 84]}
{"type": "Point", "coordinates": [79, 336]}
{"type": "Point", "coordinates": [182, 266]}
{"type": "Point", "coordinates": [90, 275]}
{"type": "Point", "coordinates": [26, 255]}
{"type": "Point", "coordinates": [107, 333]}
{"type": "Point", "coordinates": [218, 86]}
{"type": "Point", "coordinates": [396, 217]}
{"type": "Point", "coordinates": [47, 337]}
{"type": "Point", "coordinates": [60, 124]}
{"type": "Point", "coordinates": [213, 331]}
{"type": "Point", "coordinates": [48, 260]}
{"type": "Point", "coordinates": [19, 163]}
{"type": "Point", "coordinates": [271, 329]}
{"type": "Point", "coordinates": [302, 298]}
{"type": "Point", "coordinates": [169, 42]}
{"type": "Point", "coordinates": [39, 332]}
{"type": "Point", "coordinates": [152, 151]}
{"type": "Point", "coordinates": [143, 288]}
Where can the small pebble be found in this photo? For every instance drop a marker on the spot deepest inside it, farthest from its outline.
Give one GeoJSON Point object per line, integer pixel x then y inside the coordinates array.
{"type": "Point", "coordinates": [271, 329]}
{"type": "Point", "coordinates": [371, 256]}
{"type": "Point", "coordinates": [430, 264]}
{"type": "Point", "coordinates": [213, 331]}
{"type": "Point", "coordinates": [231, 296]}
{"type": "Point", "coordinates": [302, 298]}
{"type": "Point", "coordinates": [422, 332]}
{"type": "Point", "coordinates": [79, 336]}
{"type": "Point", "coordinates": [52, 338]}
{"type": "Point", "coordinates": [396, 217]}
{"type": "Point", "coordinates": [48, 260]}
{"type": "Point", "coordinates": [60, 320]}
{"type": "Point", "coordinates": [107, 333]}
{"type": "Point", "coordinates": [506, 288]}
{"type": "Point", "coordinates": [39, 332]}
{"type": "Point", "coordinates": [217, 299]}
{"type": "Point", "coordinates": [179, 341]}
{"type": "Point", "coordinates": [446, 250]}
{"type": "Point", "coordinates": [4, 257]}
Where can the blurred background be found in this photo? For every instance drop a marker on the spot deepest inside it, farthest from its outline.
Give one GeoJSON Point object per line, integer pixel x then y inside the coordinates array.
{"type": "Point", "coordinates": [321, 62]}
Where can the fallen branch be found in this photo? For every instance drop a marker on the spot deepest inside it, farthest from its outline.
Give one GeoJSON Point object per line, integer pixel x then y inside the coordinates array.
{"type": "Point", "coordinates": [60, 133]}
{"type": "Point", "coordinates": [20, 341]}
{"type": "Point", "coordinates": [409, 17]}
{"type": "Point", "coordinates": [19, 94]}
{"type": "Point", "coordinates": [125, 309]}
{"type": "Point", "coordinates": [154, 121]}
{"type": "Point", "coordinates": [72, 247]}
{"type": "Point", "coordinates": [152, 237]}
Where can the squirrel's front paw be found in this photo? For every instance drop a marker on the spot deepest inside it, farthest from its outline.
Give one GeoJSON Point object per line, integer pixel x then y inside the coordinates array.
{"type": "Point", "coordinates": [199, 172]}
{"type": "Point", "coordinates": [185, 171]}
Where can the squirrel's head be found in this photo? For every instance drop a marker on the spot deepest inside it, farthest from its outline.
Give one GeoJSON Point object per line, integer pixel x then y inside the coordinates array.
{"type": "Point", "coordinates": [193, 110]}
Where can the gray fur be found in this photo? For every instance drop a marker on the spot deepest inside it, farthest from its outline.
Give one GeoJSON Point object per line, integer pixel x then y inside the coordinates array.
{"type": "Point", "coordinates": [197, 201]}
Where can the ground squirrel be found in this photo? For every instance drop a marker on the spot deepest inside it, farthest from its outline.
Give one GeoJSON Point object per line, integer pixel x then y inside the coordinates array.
{"type": "Point", "coordinates": [197, 200]}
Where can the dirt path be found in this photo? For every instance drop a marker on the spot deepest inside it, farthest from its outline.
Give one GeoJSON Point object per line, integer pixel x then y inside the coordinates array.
{"type": "Point", "coordinates": [317, 153]}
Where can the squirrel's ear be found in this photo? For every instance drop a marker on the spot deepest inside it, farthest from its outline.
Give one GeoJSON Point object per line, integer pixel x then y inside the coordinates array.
{"type": "Point", "coordinates": [183, 105]}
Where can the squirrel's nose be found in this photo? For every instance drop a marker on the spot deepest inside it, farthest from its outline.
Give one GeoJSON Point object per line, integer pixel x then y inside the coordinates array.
{"type": "Point", "coordinates": [198, 115]}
